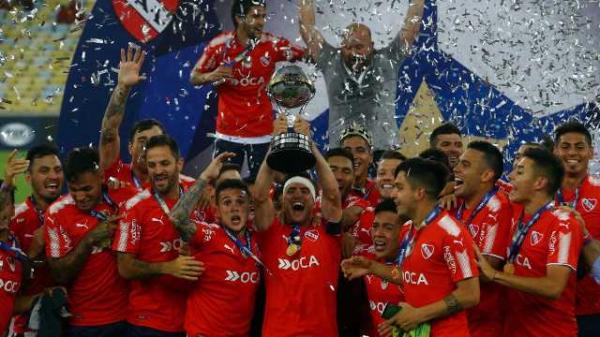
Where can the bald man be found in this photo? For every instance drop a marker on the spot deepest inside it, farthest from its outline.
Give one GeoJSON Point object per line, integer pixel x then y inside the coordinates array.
{"type": "Point", "coordinates": [361, 81]}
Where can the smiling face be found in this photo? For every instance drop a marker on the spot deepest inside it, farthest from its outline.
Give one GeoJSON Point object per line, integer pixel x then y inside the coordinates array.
{"type": "Point", "coordinates": [574, 152]}
{"type": "Point", "coordinates": [468, 173]}
{"type": "Point", "coordinates": [452, 145]}
{"type": "Point", "coordinates": [404, 196]}
{"type": "Point", "coordinates": [163, 169]}
{"type": "Point", "coordinates": [357, 47]}
{"type": "Point", "coordinates": [343, 170]}
{"type": "Point", "coordinates": [361, 151]}
{"type": "Point", "coordinates": [385, 176]}
{"type": "Point", "coordinates": [253, 23]}
{"type": "Point", "coordinates": [232, 208]}
{"type": "Point", "coordinates": [385, 231]}
{"type": "Point", "coordinates": [298, 204]}
{"type": "Point", "coordinates": [46, 177]}
{"type": "Point", "coordinates": [86, 190]}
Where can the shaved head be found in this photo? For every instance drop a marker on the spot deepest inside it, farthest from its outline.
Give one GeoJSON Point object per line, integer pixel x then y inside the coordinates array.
{"type": "Point", "coordinates": [357, 47]}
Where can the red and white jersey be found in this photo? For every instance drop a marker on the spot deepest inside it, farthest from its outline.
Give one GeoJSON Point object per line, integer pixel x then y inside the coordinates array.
{"type": "Point", "coordinates": [123, 173]}
{"type": "Point", "coordinates": [226, 289]}
{"type": "Point", "coordinates": [588, 291]}
{"type": "Point", "coordinates": [11, 273]}
{"type": "Point", "coordinates": [245, 110]}
{"type": "Point", "coordinates": [380, 293]}
{"type": "Point", "coordinates": [442, 255]}
{"type": "Point", "coordinates": [490, 230]}
{"type": "Point", "coordinates": [26, 221]}
{"type": "Point", "coordinates": [361, 229]}
{"type": "Point", "coordinates": [98, 294]}
{"type": "Point", "coordinates": [369, 192]}
{"type": "Point", "coordinates": [301, 289]}
{"type": "Point", "coordinates": [146, 232]}
{"type": "Point", "coordinates": [555, 239]}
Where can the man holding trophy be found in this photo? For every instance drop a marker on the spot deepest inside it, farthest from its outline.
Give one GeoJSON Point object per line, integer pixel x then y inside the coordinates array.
{"type": "Point", "coordinates": [301, 270]}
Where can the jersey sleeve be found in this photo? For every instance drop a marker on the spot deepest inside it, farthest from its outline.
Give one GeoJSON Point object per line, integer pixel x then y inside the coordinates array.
{"type": "Point", "coordinates": [497, 237]}
{"type": "Point", "coordinates": [286, 51]}
{"type": "Point", "coordinates": [205, 233]}
{"type": "Point", "coordinates": [565, 242]}
{"type": "Point", "coordinates": [57, 238]}
{"type": "Point", "coordinates": [128, 232]}
{"type": "Point", "coordinates": [459, 256]}
{"type": "Point", "coordinates": [211, 58]}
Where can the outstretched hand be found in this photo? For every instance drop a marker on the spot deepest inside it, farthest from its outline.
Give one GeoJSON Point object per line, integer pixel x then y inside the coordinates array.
{"type": "Point", "coordinates": [129, 68]}
{"type": "Point", "coordinates": [211, 172]}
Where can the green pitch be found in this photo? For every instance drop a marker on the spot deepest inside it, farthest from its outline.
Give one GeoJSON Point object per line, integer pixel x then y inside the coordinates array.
{"type": "Point", "coordinates": [23, 189]}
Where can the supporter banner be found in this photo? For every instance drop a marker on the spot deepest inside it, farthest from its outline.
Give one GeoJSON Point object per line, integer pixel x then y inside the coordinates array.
{"type": "Point", "coordinates": [175, 39]}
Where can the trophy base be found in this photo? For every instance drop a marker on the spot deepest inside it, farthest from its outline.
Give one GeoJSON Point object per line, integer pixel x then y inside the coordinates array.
{"type": "Point", "coordinates": [290, 153]}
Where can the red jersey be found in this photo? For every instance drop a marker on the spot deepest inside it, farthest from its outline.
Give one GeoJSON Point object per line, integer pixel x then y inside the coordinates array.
{"type": "Point", "coordinates": [490, 229]}
{"type": "Point", "coordinates": [244, 108]}
{"type": "Point", "coordinates": [11, 272]}
{"type": "Point", "coordinates": [555, 239]}
{"type": "Point", "coordinates": [442, 255]}
{"type": "Point", "coordinates": [301, 289]}
{"type": "Point", "coordinates": [227, 287]}
{"type": "Point", "coordinates": [369, 192]}
{"type": "Point", "coordinates": [123, 172]}
{"type": "Point", "coordinates": [380, 293]}
{"type": "Point", "coordinates": [588, 291]}
{"type": "Point", "coordinates": [98, 294]}
{"type": "Point", "coordinates": [147, 233]}
{"type": "Point", "coordinates": [26, 221]}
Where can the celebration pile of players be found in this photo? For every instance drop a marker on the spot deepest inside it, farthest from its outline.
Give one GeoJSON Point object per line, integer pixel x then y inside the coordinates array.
{"type": "Point", "coordinates": [444, 244]}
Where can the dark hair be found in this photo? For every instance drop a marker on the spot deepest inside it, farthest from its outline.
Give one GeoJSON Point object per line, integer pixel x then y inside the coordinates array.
{"type": "Point", "coordinates": [547, 165]}
{"type": "Point", "coordinates": [572, 126]}
{"type": "Point", "coordinates": [81, 160]}
{"type": "Point", "coordinates": [241, 8]}
{"type": "Point", "coordinates": [340, 152]}
{"type": "Point", "coordinates": [162, 140]}
{"type": "Point", "coordinates": [491, 156]}
{"type": "Point", "coordinates": [436, 155]}
{"type": "Point", "coordinates": [391, 154]}
{"type": "Point", "coordinates": [143, 125]}
{"type": "Point", "coordinates": [231, 184]}
{"type": "Point", "coordinates": [386, 205]}
{"type": "Point", "coordinates": [444, 129]}
{"type": "Point", "coordinates": [229, 167]}
{"type": "Point", "coordinates": [428, 174]}
{"type": "Point", "coordinates": [40, 151]}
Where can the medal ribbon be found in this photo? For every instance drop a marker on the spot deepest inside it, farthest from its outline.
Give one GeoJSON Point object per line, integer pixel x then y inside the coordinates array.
{"type": "Point", "coordinates": [162, 203]}
{"type": "Point", "coordinates": [519, 236]}
{"type": "Point", "coordinates": [245, 249]}
{"type": "Point", "coordinates": [38, 210]}
{"type": "Point", "coordinates": [409, 239]}
{"type": "Point", "coordinates": [486, 198]}
{"type": "Point", "coordinates": [294, 237]}
{"type": "Point", "coordinates": [561, 199]}
{"type": "Point", "coordinates": [13, 249]}
{"type": "Point", "coordinates": [136, 181]}
{"type": "Point", "coordinates": [107, 199]}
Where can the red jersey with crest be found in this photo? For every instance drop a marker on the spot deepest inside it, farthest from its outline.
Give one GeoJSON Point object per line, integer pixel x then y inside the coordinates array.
{"type": "Point", "coordinates": [380, 293]}
{"type": "Point", "coordinates": [147, 233]}
{"type": "Point", "coordinates": [555, 239]}
{"type": "Point", "coordinates": [490, 229]}
{"type": "Point", "coordinates": [588, 291]}
{"type": "Point", "coordinates": [98, 294]}
{"type": "Point", "coordinates": [229, 282]}
{"type": "Point", "coordinates": [26, 221]}
{"type": "Point", "coordinates": [123, 173]}
{"type": "Point", "coordinates": [244, 109]}
{"type": "Point", "coordinates": [301, 289]}
{"type": "Point", "coordinates": [11, 273]}
{"type": "Point", "coordinates": [442, 255]}
{"type": "Point", "coordinates": [370, 192]}
{"type": "Point", "coordinates": [361, 229]}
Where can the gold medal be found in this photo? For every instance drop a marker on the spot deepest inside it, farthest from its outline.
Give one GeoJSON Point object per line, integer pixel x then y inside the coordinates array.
{"type": "Point", "coordinates": [292, 249]}
{"type": "Point", "coordinates": [395, 273]}
{"type": "Point", "coordinates": [509, 268]}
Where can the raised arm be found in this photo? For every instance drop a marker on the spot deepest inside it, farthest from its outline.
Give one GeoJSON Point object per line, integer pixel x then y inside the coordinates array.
{"type": "Point", "coordinates": [264, 211]}
{"type": "Point", "coordinates": [311, 36]}
{"type": "Point", "coordinates": [129, 75]}
{"type": "Point", "coordinates": [180, 214]}
{"type": "Point", "coordinates": [331, 200]}
{"type": "Point", "coordinates": [412, 25]}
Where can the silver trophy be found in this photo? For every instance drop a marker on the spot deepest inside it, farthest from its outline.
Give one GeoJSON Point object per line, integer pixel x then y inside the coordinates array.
{"type": "Point", "coordinates": [290, 88]}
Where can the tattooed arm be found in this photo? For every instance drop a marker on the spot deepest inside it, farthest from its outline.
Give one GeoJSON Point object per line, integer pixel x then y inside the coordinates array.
{"type": "Point", "coordinates": [129, 69]}
{"type": "Point", "coordinates": [185, 267]}
{"type": "Point", "coordinates": [180, 214]}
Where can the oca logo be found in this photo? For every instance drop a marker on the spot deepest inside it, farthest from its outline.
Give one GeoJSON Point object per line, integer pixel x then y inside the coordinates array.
{"type": "Point", "coordinates": [245, 277]}
{"type": "Point", "coordinates": [167, 246]}
{"type": "Point", "coordinates": [11, 287]}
